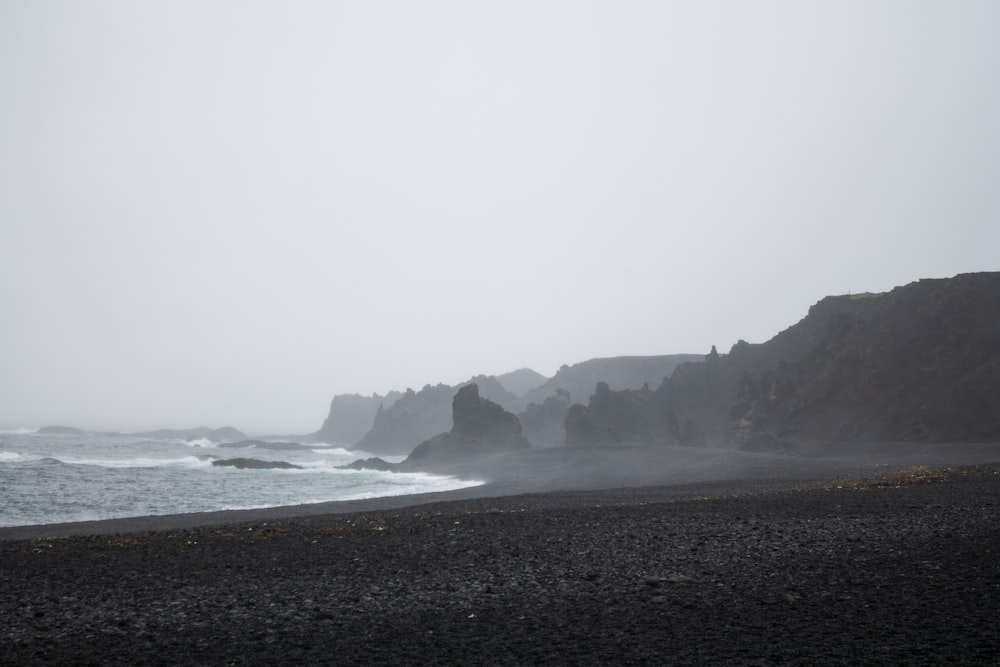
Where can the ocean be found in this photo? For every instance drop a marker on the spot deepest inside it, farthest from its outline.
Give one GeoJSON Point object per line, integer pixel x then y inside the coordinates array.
{"type": "Point", "coordinates": [54, 478]}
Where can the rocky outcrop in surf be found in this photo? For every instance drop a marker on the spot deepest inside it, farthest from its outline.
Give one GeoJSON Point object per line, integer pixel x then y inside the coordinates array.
{"type": "Point", "coordinates": [256, 464]}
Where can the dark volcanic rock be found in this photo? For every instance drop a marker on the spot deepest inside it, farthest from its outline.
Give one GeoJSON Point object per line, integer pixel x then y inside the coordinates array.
{"type": "Point", "coordinates": [919, 363]}
{"type": "Point", "coordinates": [414, 417]}
{"type": "Point", "coordinates": [417, 416]}
{"type": "Point", "coordinates": [619, 373]}
{"type": "Point", "coordinates": [256, 464]}
{"type": "Point", "coordinates": [544, 424]}
{"type": "Point", "coordinates": [480, 427]}
{"type": "Point", "coordinates": [373, 463]}
{"type": "Point", "coordinates": [632, 416]}
{"type": "Point", "coordinates": [476, 417]}
{"type": "Point", "coordinates": [853, 574]}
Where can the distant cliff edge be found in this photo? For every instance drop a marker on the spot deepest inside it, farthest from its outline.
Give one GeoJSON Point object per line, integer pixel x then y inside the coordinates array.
{"type": "Point", "coordinates": [919, 363]}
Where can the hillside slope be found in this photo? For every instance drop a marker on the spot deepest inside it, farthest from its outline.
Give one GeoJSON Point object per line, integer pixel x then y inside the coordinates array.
{"type": "Point", "coordinates": [918, 363]}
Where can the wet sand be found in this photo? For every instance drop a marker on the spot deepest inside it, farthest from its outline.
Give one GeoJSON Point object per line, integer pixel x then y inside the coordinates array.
{"type": "Point", "coordinates": [772, 562]}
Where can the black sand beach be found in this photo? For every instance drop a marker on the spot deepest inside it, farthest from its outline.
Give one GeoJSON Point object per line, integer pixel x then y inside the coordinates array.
{"type": "Point", "coordinates": [787, 564]}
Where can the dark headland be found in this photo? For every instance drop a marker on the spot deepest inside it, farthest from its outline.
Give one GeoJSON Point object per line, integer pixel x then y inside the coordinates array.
{"type": "Point", "coordinates": [828, 497]}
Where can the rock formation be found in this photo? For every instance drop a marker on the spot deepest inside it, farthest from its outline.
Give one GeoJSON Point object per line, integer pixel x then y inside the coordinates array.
{"type": "Point", "coordinates": [417, 416]}
{"type": "Point", "coordinates": [919, 363]}
{"type": "Point", "coordinates": [480, 427]}
{"type": "Point", "coordinates": [544, 424]}
{"type": "Point", "coordinates": [631, 415]}
{"type": "Point", "coordinates": [618, 373]}
{"type": "Point", "coordinates": [256, 464]}
{"type": "Point", "coordinates": [351, 416]}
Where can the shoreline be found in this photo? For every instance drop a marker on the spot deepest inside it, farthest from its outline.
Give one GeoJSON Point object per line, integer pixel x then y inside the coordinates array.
{"type": "Point", "coordinates": [899, 567]}
{"type": "Point", "coordinates": [673, 471]}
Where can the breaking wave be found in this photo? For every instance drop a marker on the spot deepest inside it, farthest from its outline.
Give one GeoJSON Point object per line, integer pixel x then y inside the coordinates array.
{"type": "Point", "coordinates": [143, 462]}
{"type": "Point", "coordinates": [52, 478]}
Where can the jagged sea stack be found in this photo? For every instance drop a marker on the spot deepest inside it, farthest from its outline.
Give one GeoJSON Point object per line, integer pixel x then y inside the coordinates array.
{"type": "Point", "coordinates": [480, 427]}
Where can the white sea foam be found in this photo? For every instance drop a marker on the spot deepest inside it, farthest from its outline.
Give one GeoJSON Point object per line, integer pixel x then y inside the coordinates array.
{"type": "Point", "coordinates": [389, 484]}
{"type": "Point", "coordinates": [354, 454]}
{"type": "Point", "coordinates": [49, 478]}
{"type": "Point", "coordinates": [323, 466]}
{"type": "Point", "coordinates": [199, 442]}
{"type": "Point", "coordinates": [227, 508]}
{"type": "Point", "coordinates": [17, 457]}
{"type": "Point", "coordinates": [143, 462]}
{"type": "Point", "coordinates": [406, 483]}
{"type": "Point", "coordinates": [334, 451]}
{"type": "Point", "coordinates": [306, 467]}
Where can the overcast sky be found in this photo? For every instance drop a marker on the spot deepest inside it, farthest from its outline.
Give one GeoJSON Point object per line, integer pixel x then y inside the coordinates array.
{"type": "Point", "coordinates": [227, 212]}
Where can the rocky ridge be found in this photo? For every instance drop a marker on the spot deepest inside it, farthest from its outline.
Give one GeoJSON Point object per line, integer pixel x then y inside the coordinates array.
{"type": "Point", "coordinates": [629, 372]}
{"type": "Point", "coordinates": [480, 428]}
{"type": "Point", "coordinates": [395, 425]}
{"type": "Point", "coordinates": [918, 363]}
{"type": "Point", "coordinates": [351, 416]}
{"type": "Point", "coordinates": [419, 415]}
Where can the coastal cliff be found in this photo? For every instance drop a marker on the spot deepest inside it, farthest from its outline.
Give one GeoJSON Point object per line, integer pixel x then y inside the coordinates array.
{"type": "Point", "coordinates": [480, 427]}
{"type": "Point", "coordinates": [351, 416]}
{"type": "Point", "coordinates": [419, 415]}
{"type": "Point", "coordinates": [918, 363]}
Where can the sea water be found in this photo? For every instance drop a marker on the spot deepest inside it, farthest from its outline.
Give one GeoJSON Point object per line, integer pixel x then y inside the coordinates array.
{"type": "Point", "coordinates": [54, 478]}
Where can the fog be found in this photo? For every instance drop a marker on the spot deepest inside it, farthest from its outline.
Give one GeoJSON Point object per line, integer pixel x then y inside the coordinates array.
{"type": "Point", "coordinates": [227, 212]}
